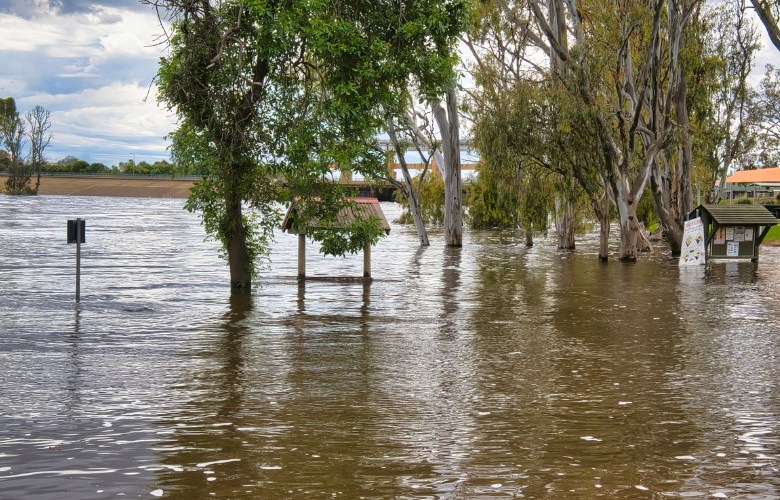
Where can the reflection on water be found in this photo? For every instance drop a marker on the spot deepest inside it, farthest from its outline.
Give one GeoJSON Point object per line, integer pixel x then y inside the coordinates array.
{"type": "Point", "coordinates": [492, 371]}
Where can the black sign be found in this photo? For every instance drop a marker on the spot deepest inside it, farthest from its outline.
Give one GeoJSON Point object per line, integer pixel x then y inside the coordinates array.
{"type": "Point", "coordinates": [76, 229]}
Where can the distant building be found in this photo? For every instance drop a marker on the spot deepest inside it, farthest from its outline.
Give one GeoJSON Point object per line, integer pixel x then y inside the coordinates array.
{"type": "Point", "coordinates": [760, 183]}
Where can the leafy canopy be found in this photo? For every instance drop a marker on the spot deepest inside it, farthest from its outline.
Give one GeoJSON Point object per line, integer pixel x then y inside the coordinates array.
{"type": "Point", "coordinates": [274, 95]}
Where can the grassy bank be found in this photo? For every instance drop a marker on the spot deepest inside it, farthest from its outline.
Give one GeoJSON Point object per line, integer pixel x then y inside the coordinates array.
{"type": "Point", "coordinates": [773, 237]}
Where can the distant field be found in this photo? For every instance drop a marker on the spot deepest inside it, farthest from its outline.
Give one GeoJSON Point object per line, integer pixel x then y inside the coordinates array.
{"type": "Point", "coordinates": [135, 187]}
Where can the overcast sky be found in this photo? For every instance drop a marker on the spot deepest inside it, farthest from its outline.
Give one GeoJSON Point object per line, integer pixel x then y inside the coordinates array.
{"type": "Point", "coordinates": [92, 64]}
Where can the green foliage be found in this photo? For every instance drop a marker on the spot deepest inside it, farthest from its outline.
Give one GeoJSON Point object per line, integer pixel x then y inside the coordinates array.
{"type": "Point", "coordinates": [490, 206]}
{"type": "Point", "coordinates": [205, 199]}
{"type": "Point", "coordinates": [431, 201]}
{"type": "Point", "coordinates": [273, 96]}
{"type": "Point", "coordinates": [524, 135]}
{"type": "Point", "coordinates": [7, 110]}
{"type": "Point", "coordinates": [766, 112]}
{"type": "Point", "coordinates": [645, 211]}
{"type": "Point", "coordinates": [338, 241]}
{"type": "Point", "coordinates": [718, 62]}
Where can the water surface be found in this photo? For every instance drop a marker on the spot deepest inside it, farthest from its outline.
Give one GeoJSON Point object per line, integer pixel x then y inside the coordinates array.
{"type": "Point", "coordinates": [493, 371]}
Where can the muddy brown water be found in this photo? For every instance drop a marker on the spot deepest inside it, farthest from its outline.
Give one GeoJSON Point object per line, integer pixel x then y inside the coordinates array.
{"type": "Point", "coordinates": [493, 371]}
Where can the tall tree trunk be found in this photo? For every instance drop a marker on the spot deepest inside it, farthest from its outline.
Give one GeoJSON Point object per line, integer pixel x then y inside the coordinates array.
{"type": "Point", "coordinates": [414, 209]}
{"type": "Point", "coordinates": [601, 209]}
{"type": "Point", "coordinates": [564, 223]}
{"type": "Point", "coordinates": [629, 231]}
{"type": "Point", "coordinates": [407, 187]}
{"type": "Point", "coordinates": [629, 224]}
{"type": "Point", "coordinates": [685, 192]}
{"type": "Point", "coordinates": [564, 212]}
{"type": "Point", "coordinates": [238, 254]}
{"type": "Point", "coordinates": [661, 186]}
{"type": "Point", "coordinates": [449, 129]}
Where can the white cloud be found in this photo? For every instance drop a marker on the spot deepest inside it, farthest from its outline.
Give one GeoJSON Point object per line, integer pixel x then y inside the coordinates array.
{"type": "Point", "coordinates": [102, 35]}
{"type": "Point", "coordinates": [51, 36]}
{"type": "Point", "coordinates": [92, 70]}
{"type": "Point", "coordinates": [113, 119]}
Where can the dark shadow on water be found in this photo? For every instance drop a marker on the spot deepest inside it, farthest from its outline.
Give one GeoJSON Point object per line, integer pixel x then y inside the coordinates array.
{"type": "Point", "coordinates": [205, 427]}
{"type": "Point", "coordinates": [365, 306]}
{"type": "Point", "coordinates": [451, 262]}
{"type": "Point", "coordinates": [231, 352]}
{"type": "Point", "coordinates": [739, 272]}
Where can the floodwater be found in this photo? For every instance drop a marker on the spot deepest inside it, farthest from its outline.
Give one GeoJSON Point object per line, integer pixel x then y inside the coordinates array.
{"type": "Point", "coordinates": [493, 371]}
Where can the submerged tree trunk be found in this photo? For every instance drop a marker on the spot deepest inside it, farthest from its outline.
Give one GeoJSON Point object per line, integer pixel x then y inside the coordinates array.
{"type": "Point", "coordinates": [629, 224]}
{"type": "Point", "coordinates": [414, 209]}
{"type": "Point", "coordinates": [564, 223]}
{"type": "Point", "coordinates": [661, 186]}
{"type": "Point", "coordinates": [602, 213]}
{"type": "Point", "coordinates": [449, 129]}
{"type": "Point", "coordinates": [407, 187]}
{"type": "Point", "coordinates": [238, 253]}
{"type": "Point", "coordinates": [629, 229]}
{"type": "Point", "coordinates": [529, 238]}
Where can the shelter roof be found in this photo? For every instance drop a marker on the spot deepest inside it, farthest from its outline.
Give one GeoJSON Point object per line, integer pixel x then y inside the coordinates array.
{"type": "Point", "coordinates": [360, 208]}
{"type": "Point", "coordinates": [755, 176]}
{"type": "Point", "coordinates": [742, 215]}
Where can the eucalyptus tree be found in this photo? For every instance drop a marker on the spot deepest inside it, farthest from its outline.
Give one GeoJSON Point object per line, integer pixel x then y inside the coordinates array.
{"type": "Point", "coordinates": [506, 193]}
{"type": "Point", "coordinates": [446, 115]}
{"type": "Point", "coordinates": [769, 13]}
{"type": "Point", "coordinates": [528, 103]}
{"type": "Point", "coordinates": [13, 138]}
{"type": "Point", "coordinates": [765, 114]}
{"type": "Point", "coordinates": [629, 74]}
{"type": "Point", "coordinates": [514, 46]}
{"type": "Point", "coordinates": [39, 124]}
{"type": "Point", "coordinates": [414, 131]}
{"type": "Point", "coordinates": [272, 96]}
{"type": "Point", "coordinates": [723, 100]}
{"type": "Point", "coordinates": [672, 60]}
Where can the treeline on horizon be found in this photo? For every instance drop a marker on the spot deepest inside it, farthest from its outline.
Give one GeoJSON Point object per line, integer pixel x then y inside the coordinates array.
{"type": "Point", "coordinates": [71, 164]}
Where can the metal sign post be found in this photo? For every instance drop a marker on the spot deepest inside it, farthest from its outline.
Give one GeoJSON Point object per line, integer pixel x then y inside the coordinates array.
{"type": "Point", "coordinates": [76, 233]}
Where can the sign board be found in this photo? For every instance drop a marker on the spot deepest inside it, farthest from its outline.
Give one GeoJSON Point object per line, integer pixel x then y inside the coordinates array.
{"type": "Point", "coordinates": [77, 231]}
{"type": "Point", "coordinates": [76, 234]}
{"type": "Point", "coordinates": [692, 250]}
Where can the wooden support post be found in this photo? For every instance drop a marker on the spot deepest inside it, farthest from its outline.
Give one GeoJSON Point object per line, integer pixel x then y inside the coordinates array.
{"type": "Point", "coordinates": [301, 256]}
{"type": "Point", "coordinates": [367, 260]}
{"type": "Point", "coordinates": [757, 239]}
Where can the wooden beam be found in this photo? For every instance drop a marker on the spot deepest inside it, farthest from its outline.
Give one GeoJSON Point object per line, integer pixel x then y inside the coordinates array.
{"type": "Point", "coordinates": [367, 260]}
{"type": "Point", "coordinates": [301, 256]}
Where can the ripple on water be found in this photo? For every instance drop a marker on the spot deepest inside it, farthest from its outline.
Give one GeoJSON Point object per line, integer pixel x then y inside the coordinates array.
{"type": "Point", "coordinates": [490, 370]}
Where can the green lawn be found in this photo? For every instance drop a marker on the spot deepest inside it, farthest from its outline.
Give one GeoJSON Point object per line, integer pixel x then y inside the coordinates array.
{"type": "Point", "coordinates": [773, 235]}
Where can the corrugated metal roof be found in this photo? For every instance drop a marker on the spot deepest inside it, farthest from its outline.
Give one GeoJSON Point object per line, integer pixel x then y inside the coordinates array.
{"type": "Point", "coordinates": [360, 208]}
{"type": "Point", "coordinates": [740, 215]}
{"type": "Point", "coordinates": [751, 176]}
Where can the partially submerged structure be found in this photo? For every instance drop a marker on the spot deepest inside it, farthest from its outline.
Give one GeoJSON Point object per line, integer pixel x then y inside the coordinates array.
{"type": "Point", "coordinates": [357, 208]}
{"type": "Point", "coordinates": [734, 231]}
